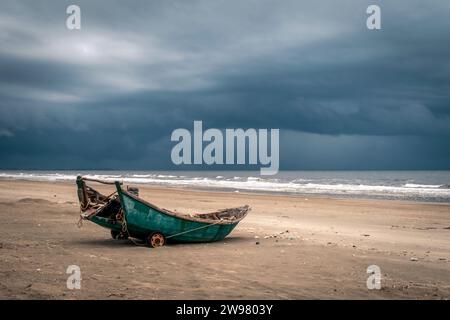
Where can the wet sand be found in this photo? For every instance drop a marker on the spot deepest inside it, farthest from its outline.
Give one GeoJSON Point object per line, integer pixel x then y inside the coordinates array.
{"type": "Point", "coordinates": [308, 247]}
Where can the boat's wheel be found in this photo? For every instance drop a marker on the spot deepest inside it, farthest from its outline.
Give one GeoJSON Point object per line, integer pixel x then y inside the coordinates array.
{"type": "Point", "coordinates": [156, 239]}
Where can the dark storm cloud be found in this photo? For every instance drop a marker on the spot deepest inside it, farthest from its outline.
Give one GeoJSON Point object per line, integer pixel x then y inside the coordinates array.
{"type": "Point", "coordinates": [109, 95]}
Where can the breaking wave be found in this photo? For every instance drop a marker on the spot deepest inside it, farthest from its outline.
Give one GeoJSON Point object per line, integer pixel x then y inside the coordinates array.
{"type": "Point", "coordinates": [393, 188]}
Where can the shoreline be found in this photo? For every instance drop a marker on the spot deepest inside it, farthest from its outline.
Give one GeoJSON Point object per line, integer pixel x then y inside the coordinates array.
{"type": "Point", "coordinates": [250, 192]}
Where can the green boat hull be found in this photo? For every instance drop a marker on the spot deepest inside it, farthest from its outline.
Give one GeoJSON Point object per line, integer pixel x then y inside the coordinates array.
{"type": "Point", "coordinates": [106, 223]}
{"type": "Point", "coordinates": [143, 219]}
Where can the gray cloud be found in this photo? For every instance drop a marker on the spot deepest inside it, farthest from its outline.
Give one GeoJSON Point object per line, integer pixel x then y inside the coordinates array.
{"type": "Point", "coordinates": [110, 94]}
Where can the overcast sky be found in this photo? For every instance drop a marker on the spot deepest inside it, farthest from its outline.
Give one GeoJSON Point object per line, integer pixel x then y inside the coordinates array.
{"type": "Point", "coordinates": [109, 95]}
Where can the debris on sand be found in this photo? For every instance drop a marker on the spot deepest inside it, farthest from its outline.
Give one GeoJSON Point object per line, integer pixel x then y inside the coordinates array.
{"type": "Point", "coordinates": [281, 235]}
{"type": "Point", "coordinates": [414, 259]}
{"type": "Point", "coordinates": [121, 295]}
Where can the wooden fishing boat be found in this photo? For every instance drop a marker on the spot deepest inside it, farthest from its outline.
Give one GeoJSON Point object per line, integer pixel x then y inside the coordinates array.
{"type": "Point", "coordinates": [103, 210]}
{"type": "Point", "coordinates": [127, 215]}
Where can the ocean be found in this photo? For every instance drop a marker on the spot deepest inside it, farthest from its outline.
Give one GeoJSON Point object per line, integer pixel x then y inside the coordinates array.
{"type": "Point", "coordinates": [427, 186]}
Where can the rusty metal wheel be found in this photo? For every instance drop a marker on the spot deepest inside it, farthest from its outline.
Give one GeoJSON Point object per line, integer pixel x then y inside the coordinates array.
{"type": "Point", "coordinates": [156, 239]}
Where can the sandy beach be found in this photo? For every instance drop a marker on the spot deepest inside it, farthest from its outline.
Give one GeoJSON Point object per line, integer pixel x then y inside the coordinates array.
{"type": "Point", "coordinates": [289, 247]}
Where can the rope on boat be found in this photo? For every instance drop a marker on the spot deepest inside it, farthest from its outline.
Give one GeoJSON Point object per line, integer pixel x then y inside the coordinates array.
{"type": "Point", "coordinates": [80, 222]}
{"type": "Point", "coordinates": [83, 208]}
{"type": "Point", "coordinates": [125, 229]}
{"type": "Point", "coordinates": [195, 229]}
